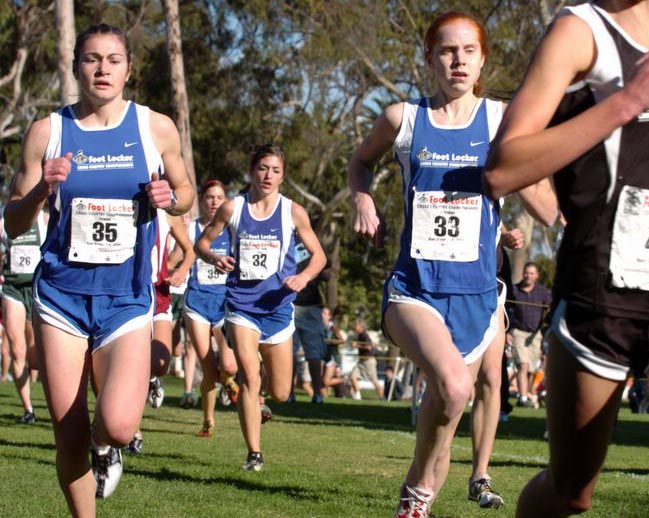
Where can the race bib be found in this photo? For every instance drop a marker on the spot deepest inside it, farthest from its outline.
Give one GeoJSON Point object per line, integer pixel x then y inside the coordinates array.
{"type": "Point", "coordinates": [102, 231]}
{"type": "Point", "coordinates": [207, 273]}
{"type": "Point", "coordinates": [446, 226]}
{"type": "Point", "coordinates": [258, 258]}
{"type": "Point", "coordinates": [629, 263]}
{"type": "Point", "coordinates": [24, 258]}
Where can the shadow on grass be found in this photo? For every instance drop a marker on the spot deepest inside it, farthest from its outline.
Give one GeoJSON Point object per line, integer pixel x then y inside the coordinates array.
{"type": "Point", "coordinates": [242, 483]}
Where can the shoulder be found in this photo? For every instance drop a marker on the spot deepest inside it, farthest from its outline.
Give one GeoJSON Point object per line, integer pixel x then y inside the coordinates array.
{"type": "Point", "coordinates": [163, 128]}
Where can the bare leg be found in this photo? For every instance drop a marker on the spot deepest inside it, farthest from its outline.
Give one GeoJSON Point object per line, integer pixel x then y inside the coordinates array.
{"type": "Point", "coordinates": [190, 361]}
{"type": "Point", "coordinates": [65, 372]}
{"type": "Point", "coordinates": [581, 412]}
{"type": "Point", "coordinates": [427, 342]}
{"type": "Point", "coordinates": [161, 347]}
{"type": "Point", "coordinates": [15, 318]}
{"type": "Point", "coordinates": [245, 343]}
{"type": "Point", "coordinates": [486, 405]}
{"type": "Point", "coordinates": [201, 337]}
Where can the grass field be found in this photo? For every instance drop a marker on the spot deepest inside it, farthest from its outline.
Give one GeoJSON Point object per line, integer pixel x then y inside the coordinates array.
{"type": "Point", "coordinates": [345, 458]}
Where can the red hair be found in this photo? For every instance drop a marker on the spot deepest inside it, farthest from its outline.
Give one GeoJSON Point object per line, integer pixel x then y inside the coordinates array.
{"type": "Point", "coordinates": [211, 183]}
{"type": "Point", "coordinates": [448, 18]}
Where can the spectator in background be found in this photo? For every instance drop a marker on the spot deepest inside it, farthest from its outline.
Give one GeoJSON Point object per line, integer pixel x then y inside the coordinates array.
{"type": "Point", "coordinates": [393, 389]}
{"type": "Point", "coordinates": [366, 365]}
{"type": "Point", "coordinates": [309, 329]}
{"type": "Point", "coordinates": [531, 298]}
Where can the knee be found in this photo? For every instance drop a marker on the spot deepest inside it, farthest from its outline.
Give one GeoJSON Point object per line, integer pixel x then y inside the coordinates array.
{"type": "Point", "coordinates": [228, 367]}
{"type": "Point", "coordinates": [280, 394]}
{"type": "Point", "coordinates": [120, 432]}
{"type": "Point", "coordinates": [491, 379]}
{"type": "Point", "coordinates": [455, 393]}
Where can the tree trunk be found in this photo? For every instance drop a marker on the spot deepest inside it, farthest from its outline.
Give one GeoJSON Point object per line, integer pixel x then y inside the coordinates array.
{"type": "Point", "coordinates": [179, 89]}
{"type": "Point", "coordinates": [65, 48]}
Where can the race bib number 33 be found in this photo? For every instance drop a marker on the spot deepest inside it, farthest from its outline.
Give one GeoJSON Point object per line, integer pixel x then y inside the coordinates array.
{"type": "Point", "coordinates": [446, 226]}
{"type": "Point", "coordinates": [102, 231]}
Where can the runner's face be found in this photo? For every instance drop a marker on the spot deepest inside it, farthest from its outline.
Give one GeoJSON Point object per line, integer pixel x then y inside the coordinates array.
{"type": "Point", "coordinates": [268, 174]}
{"type": "Point", "coordinates": [211, 200]}
{"type": "Point", "coordinates": [103, 67]}
{"type": "Point", "coordinates": [457, 58]}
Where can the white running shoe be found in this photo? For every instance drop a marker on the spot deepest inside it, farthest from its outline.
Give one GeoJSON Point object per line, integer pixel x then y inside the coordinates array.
{"type": "Point", "coordinates": [480, 491]}
{"type": "Point", "coordinates": [414, 503]}
{"type": "Point", "coordinates": [156, 392]}
{"type": "Point", "coordinates": [107, 469]}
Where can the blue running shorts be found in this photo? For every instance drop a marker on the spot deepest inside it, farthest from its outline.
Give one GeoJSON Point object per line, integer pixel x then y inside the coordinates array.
{"type": "Point", "coordinates": [205, 306]}
{"type": "Point", "coordinates": [471, 319]}
{"type": "Point", "coordinates": [99, 318]}
{"type": "Point", "coordinates": [274, 328]}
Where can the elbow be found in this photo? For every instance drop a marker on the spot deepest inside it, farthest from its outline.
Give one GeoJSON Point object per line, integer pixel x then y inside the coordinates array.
{"type": "Point", "coordinates": [493, 184]}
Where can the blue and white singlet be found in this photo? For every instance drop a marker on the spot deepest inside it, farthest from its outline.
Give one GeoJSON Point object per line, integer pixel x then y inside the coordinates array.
{"type": "Point", "coordinates": [102, 227]}
{"type": "Point", "coordinates": [448, 244]}
{"type": "Point", "coordinates": [265, 256]}
{"type": "Point", "coordinates": [204, 276]}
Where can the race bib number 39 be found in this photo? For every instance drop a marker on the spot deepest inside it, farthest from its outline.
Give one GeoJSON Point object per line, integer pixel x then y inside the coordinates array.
{"type": "Point", "coordinates": [629, 263]}
{"type": "Point", "coordinates": [24, 258]}
{"type": "Point", "coordinates": [207, 273]}
{"type": "Point", "coordinates": [102, 231]}
{"type": "Point", "coordinates": [446, 226]}
{"type": "Point", "coordinates": [258, 258]}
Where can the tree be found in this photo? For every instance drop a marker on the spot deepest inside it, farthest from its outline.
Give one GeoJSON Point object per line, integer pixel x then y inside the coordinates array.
{"type": "Point", "coordinates": [65, 46]}
{"type": "Point", "coordinates": [179, 89]}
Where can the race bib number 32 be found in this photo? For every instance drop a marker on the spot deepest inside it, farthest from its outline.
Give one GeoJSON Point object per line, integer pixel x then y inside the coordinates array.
{"type": "Point", "coordinates": [629, 263]}
{"type": "Point", "coordinates": [102, 231]}
{"type": "Point", "coordinates": [258, 258]}
{"type": "Point", "coordinates": [446, 226]}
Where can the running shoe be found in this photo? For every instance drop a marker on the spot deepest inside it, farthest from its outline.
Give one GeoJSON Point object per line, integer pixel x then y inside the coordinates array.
{"type": "Point", "coordinates": [232, 389]}
{"type": "Point", "coordinates": [207, 430]}
{"type": "Point", "coordinates": [480, 491]}
{"type": "Point", "coordinates": [291, 399]}
{"type": "Point", "coordinates": [254, 462]}
{"type": "Point", "coordinates": [223, 395]}
{"type": "Point", "coordinates": [317, 399]}
{"type": "Point", "coordinates": [414, 503]}
{"type": "Point", "coordinates": [266, 413]}
{"type": "Point", "coordinates": [107, 469]}
{"type": "Point", "coordinates": [27, 418]}
{"type": "Point", "coordinates": [189, 400]}
{"type": "Point", "coordinates": [135, 446]}
{"type": "Point", "coordinates": [156, 393]}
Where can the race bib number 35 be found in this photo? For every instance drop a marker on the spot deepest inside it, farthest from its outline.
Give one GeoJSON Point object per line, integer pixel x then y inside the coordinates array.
{"type": "Point", "coordinates": [629, 263]}
{"type": "Point", "coordinates": [446, 226]}
{"type": "Point", "coordinates": [258, 258]}
{"type": "Point", "coordinates": [102, 231]}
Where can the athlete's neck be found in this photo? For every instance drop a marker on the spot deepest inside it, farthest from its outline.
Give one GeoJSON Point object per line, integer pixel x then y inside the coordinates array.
{"type": "Point", "coordinates": [632, 16]}
{"type": "Point", "coordinates": [262, 204]}
{"type": "Point", "coordinates": [453, 112]}
{"type": "Point", "coordinates": [100, 115]}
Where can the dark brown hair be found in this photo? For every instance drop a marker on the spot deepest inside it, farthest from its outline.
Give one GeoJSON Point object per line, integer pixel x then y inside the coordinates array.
{"type": "Point", "coordinates": [267, 150]}
{"type": "Point", "coordinates": [93, 30]}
